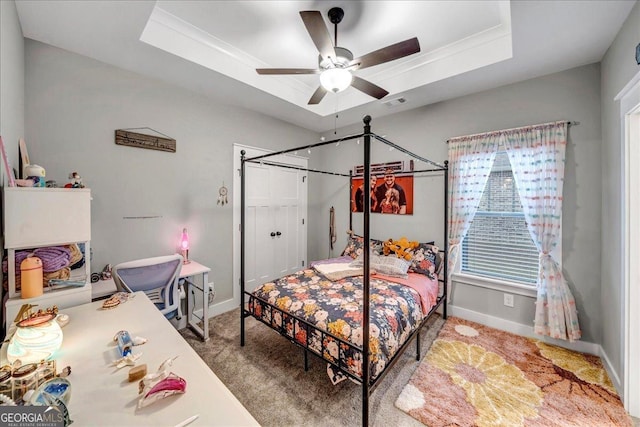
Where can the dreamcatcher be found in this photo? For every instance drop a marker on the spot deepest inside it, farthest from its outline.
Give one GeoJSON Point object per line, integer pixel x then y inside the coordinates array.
{"type": "Point", "coordinates": [222, 195]}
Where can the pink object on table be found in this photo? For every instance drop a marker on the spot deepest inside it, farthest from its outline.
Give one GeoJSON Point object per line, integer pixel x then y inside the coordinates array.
{"type": "Point", "coordinates": [170, 385]}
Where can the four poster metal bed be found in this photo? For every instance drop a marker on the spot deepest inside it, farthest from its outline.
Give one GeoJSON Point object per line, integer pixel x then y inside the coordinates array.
{"type": "Point", "coordinates": [293, 326]}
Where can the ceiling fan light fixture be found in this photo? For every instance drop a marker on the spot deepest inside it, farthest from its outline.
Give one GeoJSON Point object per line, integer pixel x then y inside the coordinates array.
{"type": "Point", "coordinates": [336, 64]}
{"type": "Point", "coordinates": [335, 79]}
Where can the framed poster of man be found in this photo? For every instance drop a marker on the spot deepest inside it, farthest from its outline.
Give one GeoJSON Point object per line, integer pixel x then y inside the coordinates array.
{"type": "Point", "coordinates": [390, 193]}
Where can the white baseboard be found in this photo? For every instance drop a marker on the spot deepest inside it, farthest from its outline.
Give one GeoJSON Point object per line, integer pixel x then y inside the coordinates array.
{"type": "Point", "coordinates": [527, 331]}
{"type": "Point", "coordinates": [218, 308]}
{"type": "Point", "coordinates": [613, 375]}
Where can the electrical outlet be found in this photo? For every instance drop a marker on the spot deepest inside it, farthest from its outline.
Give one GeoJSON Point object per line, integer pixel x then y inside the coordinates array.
{"type": "Point", "coordinates": [508, 300]}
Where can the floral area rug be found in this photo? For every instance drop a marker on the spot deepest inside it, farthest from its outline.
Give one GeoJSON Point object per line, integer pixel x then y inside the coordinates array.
{"type": "Point", "coordinates": [474, 375]}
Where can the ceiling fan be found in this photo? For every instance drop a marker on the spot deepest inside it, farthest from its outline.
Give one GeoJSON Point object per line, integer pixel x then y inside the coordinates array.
{"type": "Point", "coordinates": [336, 64]}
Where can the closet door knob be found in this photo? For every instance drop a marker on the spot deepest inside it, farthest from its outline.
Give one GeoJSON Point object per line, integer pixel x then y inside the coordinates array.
{"type": "Point", "coordinates": [278, 233]}
{"type": "Point", "coordinates": [273, 234]}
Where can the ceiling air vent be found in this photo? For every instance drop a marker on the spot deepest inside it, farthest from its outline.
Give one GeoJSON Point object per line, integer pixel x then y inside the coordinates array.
{"type": "Point", "coordinates": [394, 102]}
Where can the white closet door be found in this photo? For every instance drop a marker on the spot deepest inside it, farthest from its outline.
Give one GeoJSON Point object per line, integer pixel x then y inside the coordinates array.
{"type": "Point", "coordinates": [287, 198]}
{"type": "Point", "coordinates": [259, 257]}
{"type": "Point", "coordinates": [275, 232]}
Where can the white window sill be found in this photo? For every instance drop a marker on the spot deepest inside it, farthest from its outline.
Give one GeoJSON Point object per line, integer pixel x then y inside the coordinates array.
{"type": "Point", "coordinates": [496, 285]}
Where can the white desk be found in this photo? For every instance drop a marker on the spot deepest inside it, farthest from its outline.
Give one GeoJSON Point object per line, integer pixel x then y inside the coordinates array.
{"type": "Point", "coordinates": [104, 288]}
{"type": "Point", "coordinates": [101, 394]}
{"type": "Point", "coordinates": [189, 271]}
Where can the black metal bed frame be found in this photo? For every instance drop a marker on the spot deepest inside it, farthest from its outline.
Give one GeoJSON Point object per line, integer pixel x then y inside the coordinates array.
{"type": "Point", "coordinates": [368, 383]}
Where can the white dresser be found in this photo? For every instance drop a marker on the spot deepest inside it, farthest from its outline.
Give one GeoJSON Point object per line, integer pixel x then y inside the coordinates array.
{"type": "Point", "coordinates": [40, 217]}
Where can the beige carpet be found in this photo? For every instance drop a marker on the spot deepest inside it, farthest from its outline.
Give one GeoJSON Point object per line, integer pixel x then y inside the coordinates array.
{"type": "Point", "coordinates": [267, 376]}
{"type": "Point", "coordinates": [474, 375]}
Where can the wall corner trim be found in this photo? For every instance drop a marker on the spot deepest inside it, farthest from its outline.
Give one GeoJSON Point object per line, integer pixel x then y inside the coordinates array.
{"type": "Point", "coordinates": [628, 87]}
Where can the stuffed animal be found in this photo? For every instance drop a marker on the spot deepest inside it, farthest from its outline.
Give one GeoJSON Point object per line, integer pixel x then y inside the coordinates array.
{"type": "Point", "coordinates": [403, 248]}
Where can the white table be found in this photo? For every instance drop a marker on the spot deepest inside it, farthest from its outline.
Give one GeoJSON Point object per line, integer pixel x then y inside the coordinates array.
{"type": "Point", "coordinates": [102, 395]}
{"type": "Point", "coordinates": [104, 288]}
{"type": "Point", "coordinates": [188, 272]}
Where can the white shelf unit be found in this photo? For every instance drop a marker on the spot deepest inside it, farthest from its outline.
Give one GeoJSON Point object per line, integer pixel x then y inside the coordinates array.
{"type": "Point", "coordinates": [41, 217]}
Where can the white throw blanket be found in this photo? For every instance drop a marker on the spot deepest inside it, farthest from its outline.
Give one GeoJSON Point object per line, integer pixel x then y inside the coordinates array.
{"type": "Point", "coordinates": [337, 271]}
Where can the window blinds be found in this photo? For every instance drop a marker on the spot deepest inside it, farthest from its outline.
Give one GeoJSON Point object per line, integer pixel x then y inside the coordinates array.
{"type": "Point", "coordinates": [498, 244]}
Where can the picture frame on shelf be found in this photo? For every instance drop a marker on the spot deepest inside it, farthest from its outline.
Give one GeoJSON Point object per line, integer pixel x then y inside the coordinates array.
{"type": "Point", "coordinates": [23, 158]}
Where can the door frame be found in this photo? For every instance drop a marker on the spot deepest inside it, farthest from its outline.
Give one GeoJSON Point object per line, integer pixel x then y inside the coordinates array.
{"type": "Point", "coordinates": [252, 151]}
{"type": "Point", "coordinates": [630, 120]}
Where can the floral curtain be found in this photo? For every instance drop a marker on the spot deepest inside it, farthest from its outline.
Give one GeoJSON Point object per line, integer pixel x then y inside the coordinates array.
{"type": "Point", "coordinates": [537, 156]}
{"type": "Point", "coordinates": [470, 162]}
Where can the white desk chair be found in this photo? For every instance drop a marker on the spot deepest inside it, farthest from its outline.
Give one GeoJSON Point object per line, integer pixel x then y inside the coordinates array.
{"type": "Point", "coordinates": [157, 277]}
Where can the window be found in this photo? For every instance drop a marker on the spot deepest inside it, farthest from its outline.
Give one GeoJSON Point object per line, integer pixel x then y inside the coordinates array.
{"type": "Point", "coordinates": [498, 244]}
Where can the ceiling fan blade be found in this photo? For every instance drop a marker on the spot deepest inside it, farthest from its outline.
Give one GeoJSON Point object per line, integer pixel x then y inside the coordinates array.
{"type": "Point", "coordinates": [319, 33]}
{"type": "Point", "coordinates": [369, 88]}
{"type": "Point", "coordinates": [287, 71]}
{"type": "Point", "coordinates": [389, 53]}
{"type": "Point", "coordinates": [317, 95]}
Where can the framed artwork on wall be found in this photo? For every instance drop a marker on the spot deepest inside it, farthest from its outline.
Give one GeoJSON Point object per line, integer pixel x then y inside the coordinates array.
{"type": "Point", "coordinates": [390, 190]}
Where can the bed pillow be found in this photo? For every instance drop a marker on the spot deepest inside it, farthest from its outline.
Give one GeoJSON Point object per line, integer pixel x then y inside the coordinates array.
{"type": "Point", "coordinates": [355, 244]}
{"type": "Point", "coordinates": [389, 265]}
{"type": "Point", "coordinates": [425, 260]}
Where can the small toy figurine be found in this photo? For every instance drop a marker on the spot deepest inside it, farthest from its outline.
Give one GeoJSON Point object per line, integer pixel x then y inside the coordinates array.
{"type": "Point", "coordinates": [76, 181]}
{"type": "Point", "coordinates": [106, 272]}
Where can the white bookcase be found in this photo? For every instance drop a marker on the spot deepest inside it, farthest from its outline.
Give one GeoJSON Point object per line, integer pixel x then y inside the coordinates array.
{"type": "Point", "coordinates": [40, 217]}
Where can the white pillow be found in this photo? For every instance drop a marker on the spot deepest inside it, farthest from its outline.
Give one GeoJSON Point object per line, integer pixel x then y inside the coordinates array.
{"type": "Point", "coordinates": [389, 265]}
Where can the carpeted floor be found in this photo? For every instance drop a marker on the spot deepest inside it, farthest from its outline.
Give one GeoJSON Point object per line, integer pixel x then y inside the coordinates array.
{"type": "Point", "coordinates": [497, 378]}
{"type": "Point", "coordinates": [267, 376]}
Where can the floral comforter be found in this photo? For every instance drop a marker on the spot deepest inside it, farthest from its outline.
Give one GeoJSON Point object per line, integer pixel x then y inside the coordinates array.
{"type": "Point", "coordinates": [336, 307]}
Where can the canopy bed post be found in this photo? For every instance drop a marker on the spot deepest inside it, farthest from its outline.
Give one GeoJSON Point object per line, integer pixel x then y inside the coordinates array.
{"type": "Point", "coordinates": [366, 263]}
{"type": "Point", "coordinates": [242, 244]}
{"type": "Point", "coordinates": [351, 207]}
{"type": "Point", "coordinates": [446, 236]}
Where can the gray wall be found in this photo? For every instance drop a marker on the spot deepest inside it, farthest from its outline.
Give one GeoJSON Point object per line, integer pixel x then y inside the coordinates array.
{"type": "Point", "coordinates": [11, 83]}
{"type": "Point", "coordinates": [73, 106]}
{"type": "Point", "coordinates": [570, 95]}
{"type": "Point", "coordinates": [428, 195]}
{"type": "Point", "coordinates": [618, 68]}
